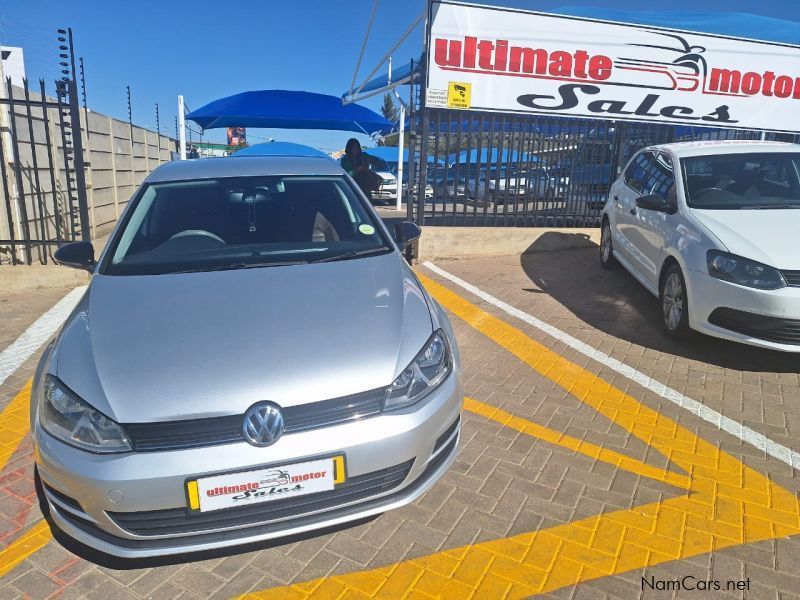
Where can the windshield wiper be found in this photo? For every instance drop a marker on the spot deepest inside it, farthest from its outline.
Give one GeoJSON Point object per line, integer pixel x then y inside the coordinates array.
{"type": "Point", "coordinates": [769, 206]}
{"type": "Point", "coordinates": [354, 254]}
{"type": "Point", "coordinates": [239, 266]}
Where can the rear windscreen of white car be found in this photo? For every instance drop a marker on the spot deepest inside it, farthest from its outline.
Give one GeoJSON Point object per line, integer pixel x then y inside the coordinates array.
{"type": "Point", "coordinates": [761, 180]}
{"type": "Point", "coordinates": [236, 222]}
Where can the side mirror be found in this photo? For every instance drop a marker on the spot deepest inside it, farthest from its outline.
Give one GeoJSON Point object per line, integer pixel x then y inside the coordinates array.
{"type": "Point", "coordinates": [406, 232]}
{"type": "Point", "coordinates": [78, 255]}
{"type": "Point", "coordinates": [654, 202]}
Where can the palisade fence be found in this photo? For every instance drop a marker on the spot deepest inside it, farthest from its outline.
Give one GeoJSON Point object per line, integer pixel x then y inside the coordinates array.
{"type": "Point", "coordinates": [65, 173]}
{"type": "Point", "coordinates": [507, 170]}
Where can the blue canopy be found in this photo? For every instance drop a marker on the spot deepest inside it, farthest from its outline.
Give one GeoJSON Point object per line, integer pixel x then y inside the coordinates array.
{"type": "Point", "coordinates": [284, 109]}
{"type": "Point", "coordinates": [280, 149]}
{"type": "Point", "coordinates": [400, 75]}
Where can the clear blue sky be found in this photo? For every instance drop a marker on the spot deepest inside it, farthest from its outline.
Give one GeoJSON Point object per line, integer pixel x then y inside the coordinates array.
{"type": "Point", "coordinates": [207, 49]}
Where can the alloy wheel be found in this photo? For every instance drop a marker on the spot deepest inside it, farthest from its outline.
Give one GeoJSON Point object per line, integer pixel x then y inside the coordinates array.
{"type": "Point", "coordinates": [672, 303]}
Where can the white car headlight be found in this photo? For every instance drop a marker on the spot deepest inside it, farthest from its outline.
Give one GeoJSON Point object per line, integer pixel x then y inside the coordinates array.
{"type": "Point", "coordinates": [66, 417]}
{"type": "Point", "coordinates": [428, 369]}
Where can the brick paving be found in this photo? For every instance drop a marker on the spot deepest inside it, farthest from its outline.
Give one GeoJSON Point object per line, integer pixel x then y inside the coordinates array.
{"type": "Point", "coordinates": [505, 483]}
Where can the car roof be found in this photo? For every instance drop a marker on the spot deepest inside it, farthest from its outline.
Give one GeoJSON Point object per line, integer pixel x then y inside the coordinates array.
{"type": "Point", "coordinates": [707, 147]}
{"type": "Point", "coordinates": [244, 166]}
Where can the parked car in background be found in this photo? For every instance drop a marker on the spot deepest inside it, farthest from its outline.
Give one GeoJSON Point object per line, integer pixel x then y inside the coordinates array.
{"type": "Point", "coordinates": [253, 358]}
{"type": "Point", "coordinates": [449, 186]}
{"type": "Point", "coordinates": [497, 185]}
{"type": "Point", "coordinates": [388, 188]}
{"type": "Point", "coordinates": [711, 228]}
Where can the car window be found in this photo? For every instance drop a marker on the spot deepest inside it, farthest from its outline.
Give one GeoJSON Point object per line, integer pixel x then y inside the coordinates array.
{"type": "Point", "coordinates": [637, 172]}
{"type": "Point", "coordinates": [760, 180]}
{"type": "Point", "coordinates": [660, 178]}
{"type": "Point", "coordinates": [235, 222]}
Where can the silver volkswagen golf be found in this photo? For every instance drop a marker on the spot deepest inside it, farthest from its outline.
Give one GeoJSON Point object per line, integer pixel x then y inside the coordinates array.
{"type": "Point", "coordinates": [253, 358]}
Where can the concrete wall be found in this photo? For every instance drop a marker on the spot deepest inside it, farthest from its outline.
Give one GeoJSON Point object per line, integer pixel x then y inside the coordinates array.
{"type": "Point", "coordinates": [117, 165]}
{"type": "Point", "coordinates": [117, 159]}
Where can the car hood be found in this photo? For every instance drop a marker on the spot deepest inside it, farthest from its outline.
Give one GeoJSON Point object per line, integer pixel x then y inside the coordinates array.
{"type": "Point", "coordinates": [194, 345]}
{"type": "Point", "coordinates": [768, 236]}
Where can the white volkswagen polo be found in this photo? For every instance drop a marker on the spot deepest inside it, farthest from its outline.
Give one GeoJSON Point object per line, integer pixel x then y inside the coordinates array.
{"type": "Point", "coordinates": [712, 229]}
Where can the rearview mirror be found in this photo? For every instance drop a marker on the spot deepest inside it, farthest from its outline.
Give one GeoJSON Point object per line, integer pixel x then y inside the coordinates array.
{"type": "Point", "coordinates": [78, 255]}
{"type": "Point", "coordinates": [654, 202]}
{"type": "Point", "coordinates": [406, 232]}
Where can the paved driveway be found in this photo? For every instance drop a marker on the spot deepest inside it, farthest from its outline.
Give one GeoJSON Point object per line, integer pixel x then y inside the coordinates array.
{"type": "Point", "coordinates": [598, 459]}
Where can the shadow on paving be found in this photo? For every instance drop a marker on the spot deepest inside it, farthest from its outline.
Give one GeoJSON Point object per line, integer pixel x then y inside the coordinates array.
{"type": "Point", "coordinates": [613, 302]}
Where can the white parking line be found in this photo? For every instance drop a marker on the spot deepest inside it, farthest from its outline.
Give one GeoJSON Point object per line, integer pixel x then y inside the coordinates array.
{"type": "Point", "coordinates": [37, 334]}
{"type": "Point", "coordinates": [758, 440]}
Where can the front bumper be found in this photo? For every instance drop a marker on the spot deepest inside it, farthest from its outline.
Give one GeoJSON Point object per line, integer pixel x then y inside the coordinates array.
{"type": "Point", "coordinates": [99, 499]}
{"type": "Point", "coordinates": [385, 193]}
{"type": "Point", "coordinates": [708, 294]}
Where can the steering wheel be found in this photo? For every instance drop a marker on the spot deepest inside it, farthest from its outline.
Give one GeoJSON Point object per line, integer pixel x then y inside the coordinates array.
{"type": "Point", "coordinates": [199, 232]}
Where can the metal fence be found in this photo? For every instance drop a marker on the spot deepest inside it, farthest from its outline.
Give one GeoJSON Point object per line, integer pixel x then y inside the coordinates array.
{"type": "Point", "coordinates": [43, 193]}
{"type": "Point", "coordinates": [495, 169]}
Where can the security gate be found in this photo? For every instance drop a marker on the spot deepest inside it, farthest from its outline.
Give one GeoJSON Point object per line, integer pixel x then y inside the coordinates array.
{"type": "Point", "coordinates": [505, 170]}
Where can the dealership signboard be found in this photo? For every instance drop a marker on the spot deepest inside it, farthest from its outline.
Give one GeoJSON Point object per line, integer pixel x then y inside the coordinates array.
{"type": "Point", "coordinates": [499, 59]}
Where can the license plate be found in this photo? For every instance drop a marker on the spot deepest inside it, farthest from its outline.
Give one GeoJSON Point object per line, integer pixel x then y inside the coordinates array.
{"type": "Point", "coordinates": [265, 485]}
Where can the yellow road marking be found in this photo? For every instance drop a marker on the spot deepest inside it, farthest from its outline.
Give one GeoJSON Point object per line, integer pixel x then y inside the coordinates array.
{"type": "Point", "coordinates": [14, 424]}
{"type": "Point", "coordinates": [728, 504]}
{"type": "Point", "coordinates": [580, 446]}
{"type": "Point", "coordinates": [32, 540]}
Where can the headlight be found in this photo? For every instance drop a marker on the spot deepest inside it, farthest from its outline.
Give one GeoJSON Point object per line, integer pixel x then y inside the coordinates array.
{"type": "Point", "coordinates": [430, 367]}
{"type": "Point", "coordinates": [743, 271]}
{"type": "Point", "coordinates": [66, 417]}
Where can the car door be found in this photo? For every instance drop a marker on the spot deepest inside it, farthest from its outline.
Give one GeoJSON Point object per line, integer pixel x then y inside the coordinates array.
{"type": "Point", "coordinates": [623, 196]}
{"type": "Point", "coordinates": [649, 227]}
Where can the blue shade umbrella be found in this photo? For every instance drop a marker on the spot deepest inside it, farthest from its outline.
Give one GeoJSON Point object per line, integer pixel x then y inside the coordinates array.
{"type": "Point", "coordinates": [280, 149]}
{"type": "Point", "coordinates": [284, 109]}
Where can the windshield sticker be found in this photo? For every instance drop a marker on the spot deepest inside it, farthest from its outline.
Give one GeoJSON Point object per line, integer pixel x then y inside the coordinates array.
{"type": "Point", "coordinates": [366, 229]}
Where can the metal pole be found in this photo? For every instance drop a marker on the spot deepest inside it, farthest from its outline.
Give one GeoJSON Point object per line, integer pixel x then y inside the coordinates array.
{"type": "Point", "coordinates": [400, 144]}
{"type": "Point", "coordinates": [158, 134]}
{"type": "Point", "coordinates": [181, 129]}
{"type": "Point", "coordinates": [83, 94]}
{"type": "Point", "coordinates": [80, 175]}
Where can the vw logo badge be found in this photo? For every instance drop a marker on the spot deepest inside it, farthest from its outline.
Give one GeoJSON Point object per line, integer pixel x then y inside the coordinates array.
{"type": "Point", "coordinates": [263, 424]}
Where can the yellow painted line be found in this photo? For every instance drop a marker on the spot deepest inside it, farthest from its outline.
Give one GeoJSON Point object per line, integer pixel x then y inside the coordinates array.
{"type": "Point", "coordinates": [728, 504]}
{"type": "Point", "coordinates": [32, 540]}
{"type": "Point", "coordinates": [580, 446]}
{"type": "Point", "coordinates": [14, 424]}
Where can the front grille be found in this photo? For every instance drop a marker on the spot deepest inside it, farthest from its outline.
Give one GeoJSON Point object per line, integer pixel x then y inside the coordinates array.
{"type": "Point", "coordinates": [193, 433]}
{"type": "Point", "coordinates": [181, 520]}
{"type": "Point", "coordinates": [792, 278]}
{"type": "Point", "coordinates": [771, 329]}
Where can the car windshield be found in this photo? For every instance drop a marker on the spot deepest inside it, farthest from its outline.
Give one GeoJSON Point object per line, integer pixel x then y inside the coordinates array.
{"type": "Point", "coordinates": [242, 222]}
{"type": "Point", "coordinates": [761, 180]}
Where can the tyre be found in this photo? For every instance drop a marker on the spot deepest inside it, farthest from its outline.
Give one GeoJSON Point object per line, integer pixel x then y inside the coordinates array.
{"type": "Point", "coordinates": [607, 259]}
{"type": "Point", "coordinates": [674, 302]}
